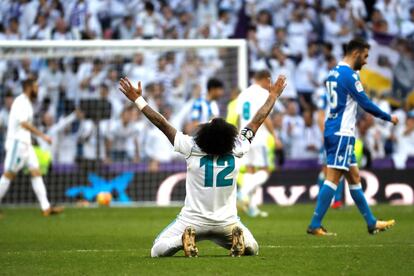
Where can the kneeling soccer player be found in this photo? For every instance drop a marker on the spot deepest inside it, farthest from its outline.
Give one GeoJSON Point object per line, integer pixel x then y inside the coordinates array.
{"type": "Point", "coordinates": [213, 157]}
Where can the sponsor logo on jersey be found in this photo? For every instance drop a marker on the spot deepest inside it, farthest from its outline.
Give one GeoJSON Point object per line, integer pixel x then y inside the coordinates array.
{"type": "Point", "coordinates": [358, 86]}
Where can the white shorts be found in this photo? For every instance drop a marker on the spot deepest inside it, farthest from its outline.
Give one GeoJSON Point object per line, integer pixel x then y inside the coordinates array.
{"type": "Point", "coordinates": [257, 156]}
{"type": "Point", "coordinates": [221, 235]}
{"type": "Point", "coordinates": [20, 155]}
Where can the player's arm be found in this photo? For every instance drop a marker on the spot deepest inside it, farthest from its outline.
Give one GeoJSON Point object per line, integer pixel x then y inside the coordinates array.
{"type": "Point", "coordinates": [275, 90]}
{"type": "Point", "coordinates": [357, 92]}
{"type": "Point", "coordinates": [135, 95]}
{"type": "Point", "coordinates": [35, 131]}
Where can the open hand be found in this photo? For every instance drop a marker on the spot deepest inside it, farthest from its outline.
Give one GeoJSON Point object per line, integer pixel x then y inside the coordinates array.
{"type": "Point", "coordinates": [47, 139]}
{"type": "Point", "coordinates": [276, 89]}
{"type": "Point", "coordinates": [129, 90]}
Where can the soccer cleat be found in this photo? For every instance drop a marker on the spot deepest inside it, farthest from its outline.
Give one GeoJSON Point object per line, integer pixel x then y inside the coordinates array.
{"type": "Point", "coordinates": [337, 205]}
{"type": "Point", "coordinates": [53, 210]}
{"type": "Point", "coordinates": [320, 231]}
{"type": "Point", "coordinates": [189, 246]}
{"type": "Point", "coordinates": [237, 242]}
{"type": "Point", "coordinates": [381, 225]}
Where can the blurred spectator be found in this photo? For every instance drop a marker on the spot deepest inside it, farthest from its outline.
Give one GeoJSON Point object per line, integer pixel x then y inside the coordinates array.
{"type": "Point", "coordinates": [306, 76]}
{"type": "Point", "coordinates": [407, 26]}
{"type": "Point", "coordinates": [223, 27]}
{"type": "Point", "coordinates": [281, 65]}
{"type": "Point", "coordinates": [391, 10]}
{"type": "Point", "coordinates": [12, 32]}
{"type": "Point", "coordinates": [334, 31]}
{"type": "Point", "coordinates": [4, 119]}
{"type": "Point", "coordinates": [298, 31]}
{"type": "Point", "coordinates": [206, 12]}
{"type": "Point", "coordinates": [123, 132]}
{"type": "Point", "coordinates": [149, 22]}
{"type": "Point", "coordinates": [127, 28]}
{"type": "Point", "coordinates": [265, 33]}
{"type": "Point", "coordinates": [404, 137]}
{"type": "Point", "coordinates": [307, 141]}
{"type": "Point", "coordinates": [61, 31]}
{"type": "Point", "coordinates": [157, 147]}
{"type": "Point", "coordinates": [40, 30]}
{"type": "Point", "coordinates": [292, 128]}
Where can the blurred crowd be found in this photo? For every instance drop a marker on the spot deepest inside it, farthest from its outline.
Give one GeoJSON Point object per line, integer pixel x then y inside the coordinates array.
{"type": "Point", "coordinates": [302, 39]}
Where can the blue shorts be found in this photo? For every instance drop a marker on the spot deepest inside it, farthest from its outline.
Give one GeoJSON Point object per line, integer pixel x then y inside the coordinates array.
{"type": "Point", "coordinates": [340, 152]}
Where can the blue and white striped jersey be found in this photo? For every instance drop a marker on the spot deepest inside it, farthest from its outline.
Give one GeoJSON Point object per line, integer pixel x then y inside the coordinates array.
{"type": "Point", "coordinates": [203, 110]}
{"type": "Point", "coordinates": [345, 93]}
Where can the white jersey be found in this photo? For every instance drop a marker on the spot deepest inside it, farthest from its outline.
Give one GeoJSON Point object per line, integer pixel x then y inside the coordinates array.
{"type": "Point", "coordinates": [248, 103]}
{"type": "Point", "coordinates": [21, 111]}
{"type": "Point", "coordinates": [211, 182]}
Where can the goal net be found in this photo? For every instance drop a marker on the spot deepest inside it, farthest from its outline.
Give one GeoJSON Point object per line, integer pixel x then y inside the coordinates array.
{"type": "Point", "coordinates": [101, 143]}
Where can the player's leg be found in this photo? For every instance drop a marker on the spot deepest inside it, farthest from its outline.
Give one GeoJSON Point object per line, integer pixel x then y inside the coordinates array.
{"type": "Point", "coordinates": [12, 164]}
{"type": "Point", "coordinates": [37, 182]}
{"type": "Point", "coordinates": [355, 188]}
{"type": "Point", "coordinates": [337, 149]}
{"type": "Point", "coordinates": [259, 160]}
{"type": "Point", "coordinates": [339, 194]}
{"type": "Point", "coordinates": [324, 200]}
{"type": "Point", "coordinates": [236, 238]}
{"type": "Point", "coordinates": [5, 181]}
{"type": "Point", "coordinates": [176, 236]}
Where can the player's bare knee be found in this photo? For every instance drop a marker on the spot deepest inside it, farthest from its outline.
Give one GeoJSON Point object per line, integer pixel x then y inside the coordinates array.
{"type": "Point", "coordinates": [9, 175]}
{"type": "Point", "coordinates": [252, 249]}
{"type": "Point", "coordinates": [35, 172]}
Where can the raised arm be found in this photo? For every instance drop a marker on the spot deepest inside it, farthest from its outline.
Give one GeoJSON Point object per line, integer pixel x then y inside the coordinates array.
{"type": "Point", "coordinates": [135, 95]}
{"type": "Point", "coordinates": [274, 92]}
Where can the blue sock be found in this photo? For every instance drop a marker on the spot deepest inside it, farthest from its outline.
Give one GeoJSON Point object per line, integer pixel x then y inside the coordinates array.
{"type": "Point", "coordinates": [359, 199]}
{"type": "Point", "coordinates": [339, 190]}
{"type": "Point", "coordinates": [322, 205]}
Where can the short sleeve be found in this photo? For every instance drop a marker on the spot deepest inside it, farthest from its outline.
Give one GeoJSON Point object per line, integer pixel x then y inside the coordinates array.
{"type": "Point", "coordinates": [241, 146]}
{"type": "Point", "coordinates": [183, 144]}
{"type": "Point", "coordinates": [21, 112]}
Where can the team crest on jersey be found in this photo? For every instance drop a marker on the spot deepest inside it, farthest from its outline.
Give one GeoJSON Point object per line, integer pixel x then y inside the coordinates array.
{"type": "Point", "coordinates": [358, 86]}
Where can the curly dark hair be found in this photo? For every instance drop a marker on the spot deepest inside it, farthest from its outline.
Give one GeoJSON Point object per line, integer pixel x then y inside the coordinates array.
{"type": "Point", "coordinates": [216, 137]}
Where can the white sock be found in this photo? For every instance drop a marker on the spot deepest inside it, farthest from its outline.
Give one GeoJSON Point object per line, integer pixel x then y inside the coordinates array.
{"type": "Point", "coordinates": [40, 191]}
{"type": "Point", "coordinates": [257, 180]}
{"type": "Point", "coordinates": [247, 182]}
{"type": "Point", "coordinates": [4, 186]}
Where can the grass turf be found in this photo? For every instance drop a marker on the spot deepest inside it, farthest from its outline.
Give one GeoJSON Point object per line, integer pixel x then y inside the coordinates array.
{"type": "Point", "coordinates": [117, 241]}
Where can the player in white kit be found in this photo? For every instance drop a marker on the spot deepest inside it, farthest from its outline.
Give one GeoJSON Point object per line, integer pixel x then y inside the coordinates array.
{"type": "Point", "coordinates": [213, 157]}
{"type": "Point", "coordinates": [257, 159]}
{"type": "Point", "coordinates": [19, 150]}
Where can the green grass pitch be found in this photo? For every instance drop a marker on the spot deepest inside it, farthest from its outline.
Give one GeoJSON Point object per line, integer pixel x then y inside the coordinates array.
{"type": "Point", "coordinates": [117, 241]}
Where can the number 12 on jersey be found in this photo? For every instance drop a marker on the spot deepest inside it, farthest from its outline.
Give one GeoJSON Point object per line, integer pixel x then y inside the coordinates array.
{"type": "Point", "coordinates": [221, 180]}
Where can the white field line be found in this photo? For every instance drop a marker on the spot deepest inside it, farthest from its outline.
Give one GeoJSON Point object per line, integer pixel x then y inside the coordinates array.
{"type": "Point", "coordinates": [70, 251]}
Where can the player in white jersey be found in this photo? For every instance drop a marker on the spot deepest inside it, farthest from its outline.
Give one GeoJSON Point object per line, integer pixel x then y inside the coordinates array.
{"type": "Point", "coordinates": [19, 150]}
{"type": "Point", "coordinates": [212, 157]}
{"type": "Point", "coordinates": [256, 160]}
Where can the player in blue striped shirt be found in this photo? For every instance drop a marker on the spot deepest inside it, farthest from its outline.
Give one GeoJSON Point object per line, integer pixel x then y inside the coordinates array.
{"type": "Point", "coordinates": [205, 109]}
{"type": "Point", "coordinates": [345, 93]}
